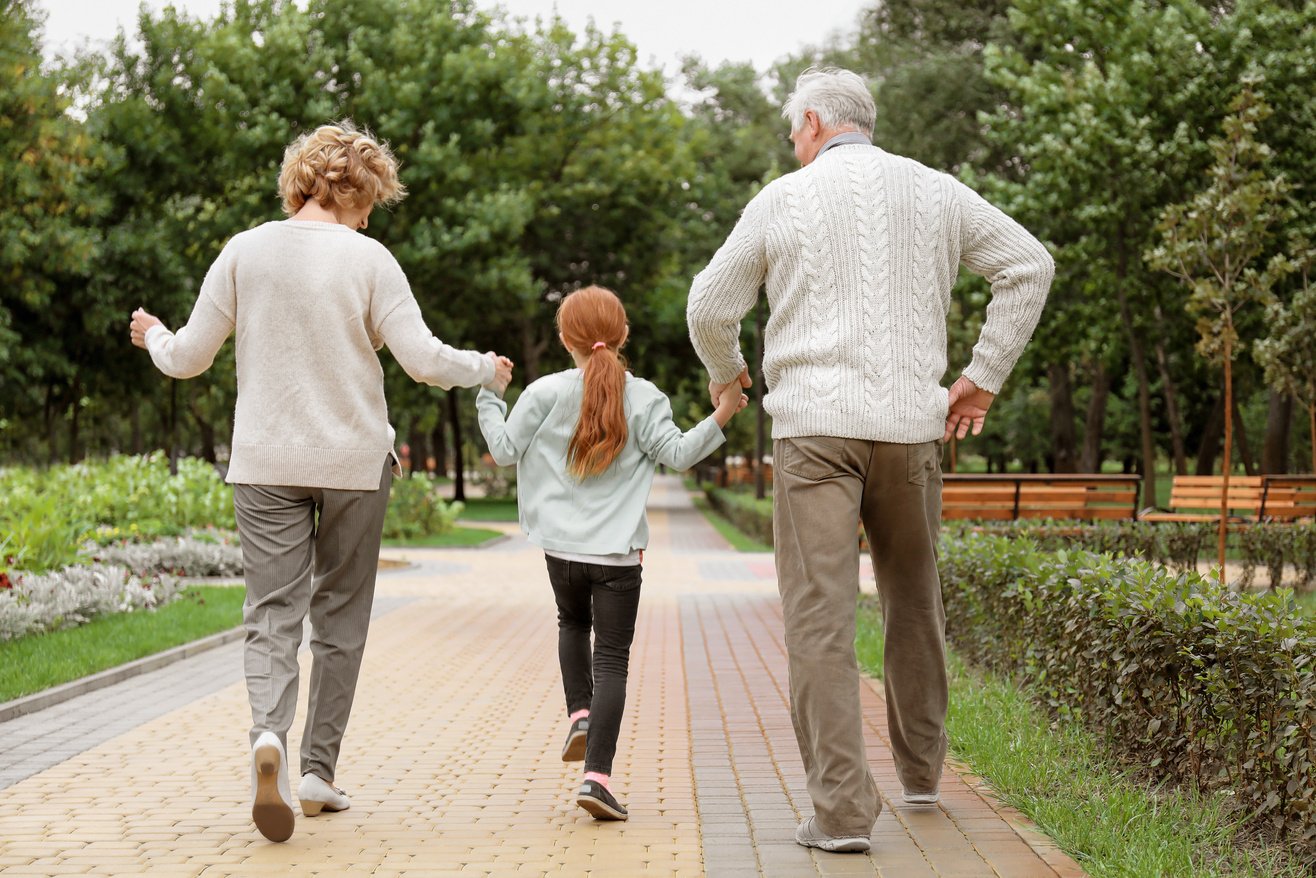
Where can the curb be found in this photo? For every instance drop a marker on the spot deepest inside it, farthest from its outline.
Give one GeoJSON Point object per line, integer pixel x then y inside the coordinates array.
{"type": "Point", "coordinates": [59, 694]}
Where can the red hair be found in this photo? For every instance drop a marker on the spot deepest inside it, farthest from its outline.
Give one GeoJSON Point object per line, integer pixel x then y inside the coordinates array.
{"type": "Point", "coordinates": [593, 323]}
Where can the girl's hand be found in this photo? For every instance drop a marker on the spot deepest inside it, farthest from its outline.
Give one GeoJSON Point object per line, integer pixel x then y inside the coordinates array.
{"type": "Point", "coordinates": [729, 401]}
{"type": "Point", "coordinates": [141, 322]}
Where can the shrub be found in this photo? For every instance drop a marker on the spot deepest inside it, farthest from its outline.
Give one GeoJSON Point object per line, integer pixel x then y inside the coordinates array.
{"type": "Point", "coordinates": [1192, 682]}
{"type": "Point", "coordinates": [32, 603]}
{"type": "Point", "coordinates": [417, 509]}
{"type": "Point", "coordinates": [749, 514]}
{"type": "Point", "coordinates": [196, 554]}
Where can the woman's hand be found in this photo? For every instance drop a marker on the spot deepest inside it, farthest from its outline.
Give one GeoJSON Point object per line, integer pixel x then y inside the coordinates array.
{"type": "Point", "coordinates": [141, 322]}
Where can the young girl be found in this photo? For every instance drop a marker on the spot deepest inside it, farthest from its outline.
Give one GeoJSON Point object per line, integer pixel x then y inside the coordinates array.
{"type": "Point", "coordinates": [586, 442]}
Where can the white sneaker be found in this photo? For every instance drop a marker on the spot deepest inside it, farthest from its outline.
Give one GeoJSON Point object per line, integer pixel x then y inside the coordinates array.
{"type": "Point", "coordinates": [271, 796]}
{"type": "Point", "coordinates": [316, 795]}
{"type": "Point", "coordinates": [921, 798]}
{"type": "Point", "coordinates": [809, 835]}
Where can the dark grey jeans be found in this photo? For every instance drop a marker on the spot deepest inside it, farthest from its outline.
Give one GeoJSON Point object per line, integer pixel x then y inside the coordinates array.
{"type": "Point", "coordinates": [308, 550]}
{"type": "Point", "coordinates": [605, 599]}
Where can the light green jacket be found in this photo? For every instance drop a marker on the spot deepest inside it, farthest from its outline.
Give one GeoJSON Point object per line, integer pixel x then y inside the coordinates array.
{"type": "Point", "coordinates": [602, 515]}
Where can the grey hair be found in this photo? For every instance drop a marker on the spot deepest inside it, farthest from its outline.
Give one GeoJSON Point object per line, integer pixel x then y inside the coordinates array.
{"type": "Point", "coordinates": [840, 98]}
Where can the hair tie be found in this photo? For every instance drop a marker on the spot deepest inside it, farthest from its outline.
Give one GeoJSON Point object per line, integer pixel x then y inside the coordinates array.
{"type": "Point", "coordinates": [599, 344]}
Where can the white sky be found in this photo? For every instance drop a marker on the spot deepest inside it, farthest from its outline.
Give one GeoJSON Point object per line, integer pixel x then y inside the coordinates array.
{"type": "Point", "coordinates": [662, 30]}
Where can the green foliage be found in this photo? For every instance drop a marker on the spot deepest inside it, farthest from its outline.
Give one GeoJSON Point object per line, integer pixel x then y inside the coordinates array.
{"type": "Point", "coordinates": [416, 508]}
{"type": "Point", "coordinates": [1197, 684]}
{"type": "Point", "coordinates": [750, 516]}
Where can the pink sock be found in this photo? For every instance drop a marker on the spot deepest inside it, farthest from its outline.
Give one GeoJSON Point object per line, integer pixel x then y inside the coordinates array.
{"type": "Point", "coordinates": [601, 779]}
{"type": "Point", "coordinates": [580, 714]}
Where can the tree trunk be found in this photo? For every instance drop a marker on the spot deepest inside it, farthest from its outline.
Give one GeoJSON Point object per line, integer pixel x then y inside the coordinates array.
{"type": "Point", "coordinates": [1244, 448]}
{"type": "Point", "coordinates": [52, 433]}
{"type": "Point", "coordinates": [206, 429]}
{"type": "Point", "coordinates": [458, 471]}
{"type": "Point", "coordinates": [439, 442]}
{"type": "Point", "coordinates": [1171, 408]}
{"type": "Point", "coordinates": [1140, 371]}
{"type": "Point", "coordinates": [135, 422]}
{"type": "Point", "coordinates": [419, 443]}
{"type": "Point", "coordinates": [533, 348]}
{"type": "Point", "coordinates": [1063, 443]}
{"type": "Point", "coordinates": [1229, 447]}
{"type": "Point", "coordinates": [173, 427]}
{"type": "Point", "coordinates": [1095, 422]}
{"type": "Point", "coordinates": [1212, 430]}
{"type": "Point", "coordinates": [1275, 447]}
{"type": "Point", "coordinates": [75, 424]}
{"type": "Point", "coordinates": [1311, 425]}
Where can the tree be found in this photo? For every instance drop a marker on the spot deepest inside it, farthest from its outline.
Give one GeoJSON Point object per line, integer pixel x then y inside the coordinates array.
{"type": "Point", "coordinates": [1212, 242]}
{"type": "Point", "coordinates": [1288, 354]}
{"type": "Point", "coordinates": [48, 242]}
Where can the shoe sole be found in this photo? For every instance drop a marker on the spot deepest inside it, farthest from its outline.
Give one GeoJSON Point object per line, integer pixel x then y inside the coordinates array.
{"type": "Point", "coordinates": [574, 751]}
{"type": "Point", "coordinates": [271, 814]}
{"type": "Point", "coordinates": [921, 800]}
{"type": "Point", "coordinates": [311, 809]}
{"type": "Point", "coordinates": [840, 845]}
{"type": "Point", "coordinates": [599, 809]}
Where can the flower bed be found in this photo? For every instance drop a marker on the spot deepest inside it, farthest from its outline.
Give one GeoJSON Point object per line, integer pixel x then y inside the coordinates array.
{"type": "Point", "coordinates": [32, 603]}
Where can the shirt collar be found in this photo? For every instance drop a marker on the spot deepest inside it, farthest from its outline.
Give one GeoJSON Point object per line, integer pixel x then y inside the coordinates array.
{"type": "Point", "coordinates": [843, 139]}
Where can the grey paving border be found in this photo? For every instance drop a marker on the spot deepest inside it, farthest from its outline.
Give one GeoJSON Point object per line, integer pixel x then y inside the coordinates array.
{"type": "Point", "coordinates": [59, 694]}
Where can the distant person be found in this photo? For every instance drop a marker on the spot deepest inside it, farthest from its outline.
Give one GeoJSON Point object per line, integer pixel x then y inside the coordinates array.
{"type": "Point", "coordinates": [859, 250]}
{"type": "Point", "coordinates": [312, 462]}
{"type": "Point", "coordinates": [586, 442]}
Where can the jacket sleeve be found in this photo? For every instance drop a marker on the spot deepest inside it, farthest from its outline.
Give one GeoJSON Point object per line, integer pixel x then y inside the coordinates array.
{"type": "Point", "coordinates": [398, 323]}
{"type": "Point", "coordinates": [658, 436]}
{"type": "Point", "coordinates": [725, 290]}
{"type": "Point", "coordinates": [191, 351]}
{"type": "Point", "coordinates": [1020, 271]}
{"type": "Point", "coordinates": [508, 437]}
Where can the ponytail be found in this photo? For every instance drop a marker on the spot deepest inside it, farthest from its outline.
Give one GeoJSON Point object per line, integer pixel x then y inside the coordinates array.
{"type": "Point", "coordinates": [593, 319]}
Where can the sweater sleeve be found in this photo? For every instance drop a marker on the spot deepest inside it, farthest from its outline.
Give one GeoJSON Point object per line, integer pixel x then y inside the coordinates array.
{"type": "Point", "coordinates": [658, 436]}
{"type": "Point", "coordinates": [1019, 269]}
{"type": "Point", "coordinates": [191, 351]}
{"type": "Point", "coordinates": [508, 437]}
{"type": "Point", "coordinates": [726, 289]}
{"type": "Point", "coordinates": [397, 322]}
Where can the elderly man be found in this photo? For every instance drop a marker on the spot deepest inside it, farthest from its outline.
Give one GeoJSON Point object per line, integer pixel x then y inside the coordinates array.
{"type": "Point", "coordinates": [859, 250]}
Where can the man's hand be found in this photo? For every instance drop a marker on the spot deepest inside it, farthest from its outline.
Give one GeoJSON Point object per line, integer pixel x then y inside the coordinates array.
{"type": "Point", "coordinates": [968, 409]}
{"type": "Point", "coordinates": [141, 322]}
{"type": "Point", "coordinates": [502, 374]}
{"type": "Point", "coordinates": [715, 389]}
{"type": "Point", "coordinates": [730, 401]}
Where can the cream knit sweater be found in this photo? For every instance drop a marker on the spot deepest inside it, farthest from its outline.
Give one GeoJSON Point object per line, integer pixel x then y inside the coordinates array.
{"type": "Point", "coordinates": [311, 304]}
{"type": "Point", "coordinates": [859, 251]}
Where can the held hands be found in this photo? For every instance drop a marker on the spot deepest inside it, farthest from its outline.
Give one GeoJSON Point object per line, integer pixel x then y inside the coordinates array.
{"type": "Point", "coordinates": [141, 322]}
{"type": "Point", "coordinates": [729, 401]}
{"type": "Point", "coordinates": [715, 390]}
{"type": "Point", "coordinates": [502, 373]}
{"type": "Point", "coordinates": [968, 408]}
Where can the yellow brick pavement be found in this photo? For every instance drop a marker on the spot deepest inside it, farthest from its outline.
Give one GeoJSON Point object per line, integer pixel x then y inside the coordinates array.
{"type": "Point", "coordinates": [452, 756]}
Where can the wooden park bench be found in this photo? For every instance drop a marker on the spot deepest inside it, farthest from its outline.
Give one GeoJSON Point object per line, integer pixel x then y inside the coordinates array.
{"type": "Point", "coordinates": [1003, 496]}
{"type": "Point", "coordinates": [1251, 498]}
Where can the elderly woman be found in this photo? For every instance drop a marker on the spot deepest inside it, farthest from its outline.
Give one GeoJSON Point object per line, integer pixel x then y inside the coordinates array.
{"type": "Point", "coordinates": [311, 302]}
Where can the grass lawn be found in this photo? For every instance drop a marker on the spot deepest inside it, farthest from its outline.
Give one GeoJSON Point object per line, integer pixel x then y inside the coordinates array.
{"type": "Point", "coordinates": [39, 661]}
{"type": "Point", "coordinates": [1306, 602]}
{"type": "Point", "coordinates": [481, 509]}
{"type": "Point", "coordinates": [733, 535]}
{"type": "Point", "coordinates": [1110, 823]}
{"type": "Point", "coordinates": [457, 538]}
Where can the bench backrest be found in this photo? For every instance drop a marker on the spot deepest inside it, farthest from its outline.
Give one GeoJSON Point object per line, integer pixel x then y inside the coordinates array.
{"type": "Point", "coordinates": [1004, 498]}
{"type": "Point", "coordinates": [1194, 493]}
{"type": "Point", "coordinates": [1290, 497]}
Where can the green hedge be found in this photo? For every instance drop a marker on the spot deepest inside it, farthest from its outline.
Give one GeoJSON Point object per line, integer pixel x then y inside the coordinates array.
{"type": "Point", "coordinates": [752, 516]}
{"type": "Point", "coordinates": [1271, 546]}
{"type": "Point", "coordinates": [1191, 682]}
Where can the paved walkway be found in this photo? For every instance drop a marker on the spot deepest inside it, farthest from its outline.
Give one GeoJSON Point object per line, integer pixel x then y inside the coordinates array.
{"type": "Point", "coordinates": [452, 756]}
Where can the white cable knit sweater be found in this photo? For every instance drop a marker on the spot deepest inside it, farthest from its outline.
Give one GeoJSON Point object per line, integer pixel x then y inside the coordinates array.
{"type": "Point", "coordinates": [859, 251]}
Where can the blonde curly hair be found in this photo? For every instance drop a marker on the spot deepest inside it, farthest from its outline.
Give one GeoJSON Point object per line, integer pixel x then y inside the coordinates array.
{"type": "Point", "coordinates": [339, 166]}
